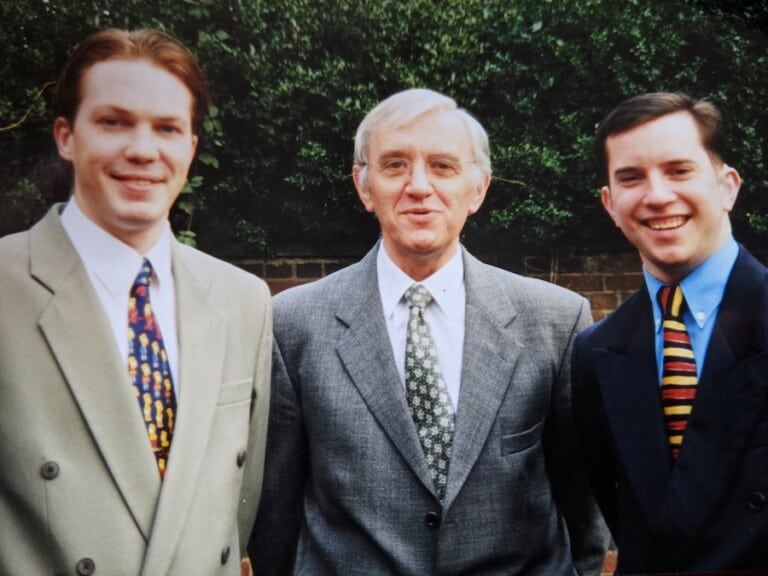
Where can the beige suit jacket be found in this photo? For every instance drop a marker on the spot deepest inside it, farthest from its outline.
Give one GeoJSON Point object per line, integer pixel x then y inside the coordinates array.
{"type": "Point", "coordinates": [79, 488]}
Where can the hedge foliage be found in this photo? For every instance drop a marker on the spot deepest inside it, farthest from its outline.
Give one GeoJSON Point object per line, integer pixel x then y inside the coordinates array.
{"type": "Point", "coordinates": [291, 80]}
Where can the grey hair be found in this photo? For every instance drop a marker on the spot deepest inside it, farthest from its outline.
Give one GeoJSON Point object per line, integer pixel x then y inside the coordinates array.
{"type": "Point", "coordinates": [402, 108]}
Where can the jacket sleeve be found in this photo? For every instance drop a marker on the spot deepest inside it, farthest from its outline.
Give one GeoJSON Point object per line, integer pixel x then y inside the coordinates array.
{"type": "Point", "coordinates": [272, 546]}
{"type": "Point", "coordinates": [254, 464]}
{"type": "Point", "coordinates": [592, 431]}
{"type": "Point", "coordinates": [586, 527]}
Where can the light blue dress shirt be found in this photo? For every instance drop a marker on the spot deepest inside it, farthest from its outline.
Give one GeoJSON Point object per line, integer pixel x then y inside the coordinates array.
{"type": "Point", "coordinates": [703, 289]}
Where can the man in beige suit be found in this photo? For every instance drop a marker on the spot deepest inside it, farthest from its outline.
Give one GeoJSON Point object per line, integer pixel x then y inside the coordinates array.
{"type": "Point", "coordinates": [93, 481]}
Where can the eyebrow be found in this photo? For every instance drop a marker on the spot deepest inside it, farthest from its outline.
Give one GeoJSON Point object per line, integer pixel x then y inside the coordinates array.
{"type": "Point", "coordinates": [432, 155]}
{"type": "Point", "coordinates": [115, 109]}
{"type": "Point", "coordinates": [667, 163]}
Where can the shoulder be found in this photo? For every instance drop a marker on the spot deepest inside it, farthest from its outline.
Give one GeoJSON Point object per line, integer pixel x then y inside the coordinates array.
{"type": "Point", "coordinates": [326, 291]}
{"type": "Point", "coordinates": [747, 263]}
{"type": "Point", "coordinates": [217, 274]}
{"type": "Point", "coordinates": [14, 259]}
{"type": "Point", "coordinates": [486, 279]}
{"type": "Point", "coordinates": [620, 323]}
{"type": "Point", "coordinates": [14, 247]}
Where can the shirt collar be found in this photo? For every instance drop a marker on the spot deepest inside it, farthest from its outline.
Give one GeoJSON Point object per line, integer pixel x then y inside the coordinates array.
{"type": "Point", "coordinates": [115, 263]}
{"type": "Point", "coordinates": [446, 285]}
{"type": "Point", "coordinates": [703, 288]}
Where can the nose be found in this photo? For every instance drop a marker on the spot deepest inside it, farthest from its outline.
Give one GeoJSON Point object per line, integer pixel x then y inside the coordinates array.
{"type": "Point", "coordinates": [659, 191]}
{"type": "Point", "coordinates": [142, 145]}
{"type": "Point", "coordinates": [419, 182]}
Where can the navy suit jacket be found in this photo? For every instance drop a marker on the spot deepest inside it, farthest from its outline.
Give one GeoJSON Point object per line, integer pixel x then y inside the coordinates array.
{"type": "Point", "coordinates": [709, 510]}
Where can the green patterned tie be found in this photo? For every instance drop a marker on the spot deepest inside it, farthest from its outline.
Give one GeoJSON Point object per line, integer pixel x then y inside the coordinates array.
{"type": "Point", "coordinates": [425, 390]}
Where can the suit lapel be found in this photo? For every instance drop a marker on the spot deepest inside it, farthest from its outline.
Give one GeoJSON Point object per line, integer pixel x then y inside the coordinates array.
{"type": "Point", "coordinates": [80, 338]}
{"type": "Point", "coordinates": [202, 344]}
{"type": "Point", "coordinates": [366, 352]}
{"type": "Point", "coordinates": [628, 380]}
{"type": "Point", "coordinates": [491, 351]}
{"type": "Point", "coordinates": [730, 397]}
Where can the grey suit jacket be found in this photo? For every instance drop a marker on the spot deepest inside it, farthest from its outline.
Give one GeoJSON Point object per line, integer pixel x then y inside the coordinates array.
{"type": "Point", "coordinates": [79, 488]}
{"type": "Point", "coordinates": [347, 488]}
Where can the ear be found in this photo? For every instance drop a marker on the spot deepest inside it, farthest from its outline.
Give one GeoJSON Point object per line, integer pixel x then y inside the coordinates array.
{"type": "Point", "coordinates": [62, 134]}
{"type": "Point", "coordinates": [607, 200]}
{"type": "Point", "coordinates": [730, 183]}
{"type": "Point", "coordinates": [478, 193]}
{"type": "Point", "coordinates": [363, 191]}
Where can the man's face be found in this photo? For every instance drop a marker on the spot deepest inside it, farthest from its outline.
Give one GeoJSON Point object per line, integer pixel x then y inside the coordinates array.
{"type": "Point", "coordinates": [667, 195]}
{"type": "Point", "coordinates": [131, 146]}
{"type": "Point", "coordinates": [422, 184]}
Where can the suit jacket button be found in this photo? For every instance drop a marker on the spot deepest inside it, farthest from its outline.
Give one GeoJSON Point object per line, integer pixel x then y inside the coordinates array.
{"type": "Point", "coordinates": [756, 501]}
{"type": "Point", "coordinates": [86, 567]}
{"type": "Point", "coordinates": [224, 555]}
{"type": "Point", "coordinates": [49, 470]}
{"type": "Point", "coordinates": [241, 458]}
{"type": "Point", "coordinates": [432, 519]}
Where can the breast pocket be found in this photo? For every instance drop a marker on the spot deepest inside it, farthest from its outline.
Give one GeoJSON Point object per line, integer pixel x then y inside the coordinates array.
{"type": "Point", "coordinates": [518, 441]}
{"type": "Point", "coordinates": [235, 392]}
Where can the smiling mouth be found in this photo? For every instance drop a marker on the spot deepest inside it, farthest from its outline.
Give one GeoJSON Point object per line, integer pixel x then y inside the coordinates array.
{"type": "Point", "coordinates": [666, 223]}
{"type": "Point", "coordinates": [138, 183]}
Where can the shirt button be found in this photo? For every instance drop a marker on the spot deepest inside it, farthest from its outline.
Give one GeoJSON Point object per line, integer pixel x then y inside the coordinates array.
{"type": "Point", "coordinates": [432, 519]}
{"type": "Point", "coordinates": [86, 567]}
{"type": "Point", "coordinates": [700, 316]}
{"type": "Point", "coordinates": [49, 470]}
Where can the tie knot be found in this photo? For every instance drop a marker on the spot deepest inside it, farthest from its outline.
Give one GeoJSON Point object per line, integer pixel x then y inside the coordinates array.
{"type": "Point", "coordinates": [144, 275]}
{"type": "Point", "coordinates": [671, 301]}
{"type": "Point", "coordinates": [418, 297]}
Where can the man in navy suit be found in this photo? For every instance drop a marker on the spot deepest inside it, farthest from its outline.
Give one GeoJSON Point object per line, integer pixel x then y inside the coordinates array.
{"type": "Point", "coordinates": [684, 487]}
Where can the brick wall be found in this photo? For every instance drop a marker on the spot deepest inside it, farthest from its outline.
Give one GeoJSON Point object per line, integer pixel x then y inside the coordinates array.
{"type": "Point", "coordinates": [605, 279]}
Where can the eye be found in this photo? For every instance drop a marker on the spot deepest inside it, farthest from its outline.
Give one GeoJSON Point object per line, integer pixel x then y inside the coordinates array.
{"type": "Point", "coordinates": [628, 179]}
{"type": "Point", "coordinates": [395, 166]}
{"type": "Point", "coordinates": [169, 129]}
{"type": "Point", "coordinates": [681, 171]}
{"type": "Point", "coordinates": [110, 122]}
{"type": "Point", "coordinates": [445, 167]}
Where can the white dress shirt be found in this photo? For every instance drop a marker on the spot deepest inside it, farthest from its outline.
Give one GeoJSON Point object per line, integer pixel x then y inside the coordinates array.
{"type": "Point", "coordinates": [445, 315]}
{"type": "Point", "coordinates": [113, 266]}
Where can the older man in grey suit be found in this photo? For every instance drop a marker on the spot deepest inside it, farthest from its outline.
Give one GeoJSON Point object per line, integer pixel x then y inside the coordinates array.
{"type": "Point", "coordinates": [421, 419]}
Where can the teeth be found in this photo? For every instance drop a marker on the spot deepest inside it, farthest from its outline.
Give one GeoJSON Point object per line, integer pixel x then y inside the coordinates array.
{"type": "Point", "coordinates": [667, 224]}
{"type": "Point", "coordinates": [139, 183]}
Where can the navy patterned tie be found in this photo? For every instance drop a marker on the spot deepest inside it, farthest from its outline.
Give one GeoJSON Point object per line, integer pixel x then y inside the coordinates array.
{"type": "Point", "coordinates": [425, 390]}
{"type": "Point", "coordinates": [149, 369]}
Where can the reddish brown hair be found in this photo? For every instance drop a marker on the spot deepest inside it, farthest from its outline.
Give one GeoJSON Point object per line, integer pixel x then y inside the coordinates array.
{"type": "Point", "coordinates": [154, 46]}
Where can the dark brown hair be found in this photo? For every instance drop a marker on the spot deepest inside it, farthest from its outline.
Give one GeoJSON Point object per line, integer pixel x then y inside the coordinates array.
{"type": "Point", "coordinates": [154, 46]}
{"type": "Point", "coordinates": [646, 107]}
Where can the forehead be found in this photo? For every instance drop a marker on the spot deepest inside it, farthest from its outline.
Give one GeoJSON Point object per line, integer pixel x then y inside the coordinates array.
{"type": "Point", "coordinates": [673, 136]}
{"type": "Point", "coordinates": [436, 132]}
{"type": "Point", "coordinates": [135, 85]}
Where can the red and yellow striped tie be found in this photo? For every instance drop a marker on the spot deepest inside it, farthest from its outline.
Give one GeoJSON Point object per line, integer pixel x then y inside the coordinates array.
{"type": "Point", "coordinates": [678, 377]}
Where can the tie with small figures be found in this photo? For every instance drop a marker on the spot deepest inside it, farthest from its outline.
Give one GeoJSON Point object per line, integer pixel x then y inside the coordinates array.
{"type": "Point", "coordinates": [678, 379]}
{"type": "Point", "coordinates": [425, 390]}
{"type": "Point", "coordinates": [149, 369]}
